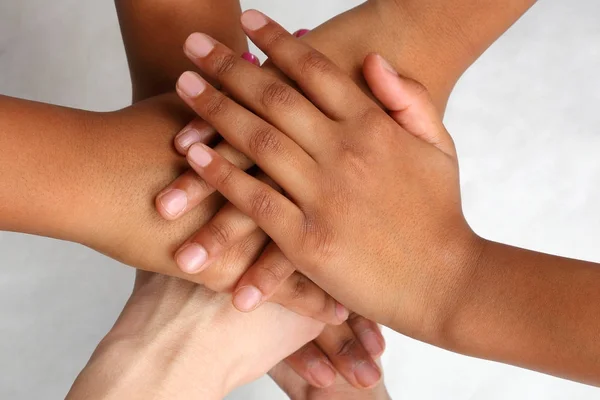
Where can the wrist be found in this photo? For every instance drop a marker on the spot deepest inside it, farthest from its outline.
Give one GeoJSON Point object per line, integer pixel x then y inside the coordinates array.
{"type": "Point", "coordinates": [134, 370]}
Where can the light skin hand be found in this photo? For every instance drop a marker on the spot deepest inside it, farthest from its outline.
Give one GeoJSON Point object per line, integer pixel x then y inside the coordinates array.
{"type": "Point", "coordinates": [179, 340]}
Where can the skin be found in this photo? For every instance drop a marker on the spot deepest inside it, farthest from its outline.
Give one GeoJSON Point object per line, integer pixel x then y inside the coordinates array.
{"type": "Point", "coordinates": [431, 25]}
{"type": "Point", "coordinates": [178, 340]}
{"type": "Point", "coordinates": [407, 258]}
{"type": "Point", "coordinates": [113, 163]}
{"type": "Point", "coordinates": [155, 61]}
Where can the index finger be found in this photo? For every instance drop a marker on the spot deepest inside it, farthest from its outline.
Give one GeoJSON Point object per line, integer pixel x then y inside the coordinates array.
{"type": "Point", "coordinates": [323, 82]}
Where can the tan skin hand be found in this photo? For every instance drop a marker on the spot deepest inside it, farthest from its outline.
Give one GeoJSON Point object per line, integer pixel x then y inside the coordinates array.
{"type": "Point", "coordinates": [343, 180]}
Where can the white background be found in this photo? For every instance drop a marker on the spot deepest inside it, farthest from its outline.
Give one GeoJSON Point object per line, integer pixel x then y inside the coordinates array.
{"type": "Point", "coordinates": [525, 119]}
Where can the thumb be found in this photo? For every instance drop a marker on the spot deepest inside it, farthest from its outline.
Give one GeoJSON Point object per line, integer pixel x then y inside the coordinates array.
{"type": "Point", "coordinates": [408, 103]}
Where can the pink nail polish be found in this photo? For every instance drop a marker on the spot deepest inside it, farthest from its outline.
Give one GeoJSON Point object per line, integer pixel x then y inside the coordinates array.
{"type": "Point", "coordinates": [247, 298]}
{"type": "Point", "coordinates": [190, 84]}
{"type": "Point", "coordinates": [174, 202]}
{"type": "Point", "coordinates": [301, 32]}
{"type": "Point", "coordinates": [191, 258]}
{"type": "Point", "coordinates": [251, 58]}
{"type": "Point", "coordinates": [199, 155]}
{"type": "Point", "coordinates": [187, 138]}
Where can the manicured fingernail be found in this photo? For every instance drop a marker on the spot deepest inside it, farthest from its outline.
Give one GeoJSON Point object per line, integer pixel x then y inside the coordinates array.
{"type": "Point", "coordinates": [366, 374]}
{"type": "Point", "coordinates": [199, 155]}
{"type": "Point", "coordinates": [372, 342]}
{"type": "Point", "coordinates": [322, 374]}
{"type": "Point", "coordinates": [191, 258]}
{"type": "Point", "coordinates": [173, 202]}
{"type": "Point", "coordinates": [301, 32]}
{"type": "Point", "coordinates": [199, 45]}
{"type": "Point", "coordinates": [247, 298]}
{"type": "Point", "coordinates": [191, 84]}
{"type": "Point", "coordinates": [254, 20]}
{"type": "Point", "coordinates": [187, 138]}
{"type": "Point", "coordinates": [251, 58]}
{"type": "Point", "coordinates": [341, 312]}
{"type": "Point", "coordinates": [387, 66]}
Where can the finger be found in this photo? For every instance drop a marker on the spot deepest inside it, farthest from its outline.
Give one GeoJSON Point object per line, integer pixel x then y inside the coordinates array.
{"type": "Point", "coordinates": [189, 190]}
{"type": "Point", "coordinates": [225, 229]}
{"type": "Point", "coordinates": [251, 58]}
{"type": "Point", "coordinates": [263, 93]}
{"type": "Point", "coordinates": [325, 85]}
{"type": "Point", "coordinates": [197, 131]}
{"type": "Point", "coordinates": [272, 278]}
{"type": "Point", "coordinates": [313, 365]}
{"type": "Point", "coordinates": [368, 333]}
{"type": "Point", "coordinates": [281, 219]}
{"type": "Point", "coordinates": [274, 152]}
{"type": "Point", "coordinates": [348, 356]}
{"type": "Point", "coordinates": [299, 294]}
{"type": "Point", "coordinates": [408, 102]}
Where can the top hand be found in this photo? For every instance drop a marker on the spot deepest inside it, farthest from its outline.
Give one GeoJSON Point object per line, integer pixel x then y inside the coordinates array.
{"type": "Point", "coordinates": [397, 253]}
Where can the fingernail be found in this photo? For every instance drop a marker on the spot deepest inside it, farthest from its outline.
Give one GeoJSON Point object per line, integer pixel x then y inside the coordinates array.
{"type": "Point", "coordinates": [341, 312]}
{"type": "Point", "coordinates": [372, 343]}
{"type": "Point", "coordinates": [253, 20]}
{"type": "Point", "coordinates": [301, 32]}
{"type": "Point", "coordinates": [173, 202]}
{"type": "Point", "coordinates": [247, 298]}
{"type": "Point", "coordinates": [387, 66]}
{"type": "Point", "coordinates": [187, 138]}
{"type": "Point", "coordinates": [199, 45]}
{"type": "Point", "coordinates": [322, 374]}
{"type": "Point", "coordinates": [191, 258]}
{"type": "Point", "coordinates": [251, 58]}
{"type": "Point", "coordinates": [366, 374]}
{"type": "Point", "coordinates": [199, 155]}
{"type": "Point", "coordinates": [191, 84]}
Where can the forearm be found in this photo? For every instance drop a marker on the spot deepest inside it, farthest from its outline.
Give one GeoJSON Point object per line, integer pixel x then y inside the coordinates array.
{"type": "Point", "coordinates": [431, 41]}
{"type": "Point", "coordinates": [47, 166]}
{"type": "Point", "coordinates": [154, 33]}
{"type": "Point", "coordinates": [532, 310]}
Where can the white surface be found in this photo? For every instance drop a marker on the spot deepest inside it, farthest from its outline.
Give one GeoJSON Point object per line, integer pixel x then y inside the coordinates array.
{"type": "Point", "coordinates": [525, 121]}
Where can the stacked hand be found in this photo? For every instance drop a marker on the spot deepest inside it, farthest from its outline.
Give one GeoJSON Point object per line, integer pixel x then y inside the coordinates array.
{"type": "Point", "coordinates": [372, 213]}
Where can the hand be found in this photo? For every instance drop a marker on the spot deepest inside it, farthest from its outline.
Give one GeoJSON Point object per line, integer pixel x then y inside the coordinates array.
{"type": "Point", "coordinates": [297, 389]}
{"type": "Point", "coordinates": [136, 160]}
{"type": "Point", "coordinates": [396, 254]}
{"type": "Point", "coordinates": [178, 340]}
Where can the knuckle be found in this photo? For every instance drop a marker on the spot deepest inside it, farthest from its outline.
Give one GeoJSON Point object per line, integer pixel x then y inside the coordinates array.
{"type": "Point", "coordinates": [224, 176]}
{"type": "Point", "coordinates": [224, 64]}
{"type": "Point", "coordinates": [215, 106]}
{"type": "Point", "coordinates": [276, 38]}
{"type": "Point", "coordinates": [346, 347]}
{"type": "Point", "coordinates": [262, 204]}
{"type": "Point", "coordinates": [264, 140]}
{"type": "Point", "coordinates": [299, 288]}
{"type": "Point", "coordinates": [273, 273]}
{"type": "Point", "coordinates": [277, 94]}
{"type": "Point", "coordinates": [314, 62]}
{"type": "Point", "coordinates": [318, 241]}
{"type": "Point", "coordinates": [221, 232]}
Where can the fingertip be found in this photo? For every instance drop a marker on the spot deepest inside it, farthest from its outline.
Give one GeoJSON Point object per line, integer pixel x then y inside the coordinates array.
{"type": "Point", "coordinates": [171, 203]}
{"type": "Point", "coordinates": [247, 298]}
